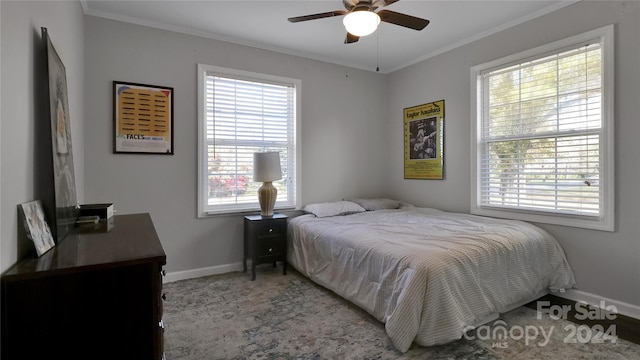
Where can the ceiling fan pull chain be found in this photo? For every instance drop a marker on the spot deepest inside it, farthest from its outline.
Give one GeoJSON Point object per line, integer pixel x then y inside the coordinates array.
{"type": "Point", "coordinates": [377, 53]}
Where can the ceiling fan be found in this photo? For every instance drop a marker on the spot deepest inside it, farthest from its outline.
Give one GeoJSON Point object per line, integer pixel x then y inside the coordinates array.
{"type": "Point", "coordinates": [361, 18]}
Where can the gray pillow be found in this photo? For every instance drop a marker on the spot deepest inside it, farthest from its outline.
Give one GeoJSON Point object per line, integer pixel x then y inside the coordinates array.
{"type": "Point", "coordinates": [377, 204]}
{"type": "Point", "coordinates": [334, 208]}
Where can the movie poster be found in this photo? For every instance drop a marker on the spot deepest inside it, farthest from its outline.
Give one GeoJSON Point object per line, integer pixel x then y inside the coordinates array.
{"type": "Point", "coordinates": [143, 118]}
{"type": "Point", "coordinates": [423, 141]}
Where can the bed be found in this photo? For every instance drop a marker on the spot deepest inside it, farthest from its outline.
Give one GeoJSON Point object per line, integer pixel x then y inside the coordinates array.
{"type": "Point", "coordinates": [427, 274]}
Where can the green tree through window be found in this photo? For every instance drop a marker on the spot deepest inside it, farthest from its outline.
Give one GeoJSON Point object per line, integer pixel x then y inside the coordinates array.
{"type": "Point", "coordinates": [542, 130]}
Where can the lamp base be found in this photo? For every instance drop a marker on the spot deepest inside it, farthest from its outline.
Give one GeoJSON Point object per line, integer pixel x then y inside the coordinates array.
{"type": "Point", "coordinates": [267, 194]}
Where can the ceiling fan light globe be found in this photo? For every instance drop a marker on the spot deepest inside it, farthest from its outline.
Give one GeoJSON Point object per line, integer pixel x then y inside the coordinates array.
{"type": "Point", "coordinates": [361, 23]}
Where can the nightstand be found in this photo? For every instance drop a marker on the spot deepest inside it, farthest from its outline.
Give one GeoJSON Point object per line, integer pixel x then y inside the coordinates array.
{"type": "Point", "coordinates": [265, 241]}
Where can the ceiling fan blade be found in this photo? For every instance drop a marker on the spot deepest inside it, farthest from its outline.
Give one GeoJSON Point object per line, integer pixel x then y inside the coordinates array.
{"type": "Point", "coordinates": [351, 38]}
{"type": "Point", "coordinates": [316, 16]}
{"type": "Point", "coordinates": [407, 21]}
{"type": "Point", "coordinates": [377, 4]}
{"type": "Point", "coordinates": [389, 2]}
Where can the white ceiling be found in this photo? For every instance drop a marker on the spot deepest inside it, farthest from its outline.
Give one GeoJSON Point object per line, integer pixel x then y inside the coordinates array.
{"type": "Point", "coordinates": [263, 24]}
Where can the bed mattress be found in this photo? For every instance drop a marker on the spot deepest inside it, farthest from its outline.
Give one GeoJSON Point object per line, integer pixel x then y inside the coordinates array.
{"type": "Point", "coordinates": [427, 274]}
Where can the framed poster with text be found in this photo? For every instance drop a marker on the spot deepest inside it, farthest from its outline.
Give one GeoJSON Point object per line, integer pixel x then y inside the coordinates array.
{"type": "Point", "coordinates": [142, 118]}
{"type": "Point", "coordinates": [423, 141]}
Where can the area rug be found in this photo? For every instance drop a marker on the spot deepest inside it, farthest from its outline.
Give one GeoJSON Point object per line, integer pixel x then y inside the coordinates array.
{"type": "Point", "coordinates": [277, 316]}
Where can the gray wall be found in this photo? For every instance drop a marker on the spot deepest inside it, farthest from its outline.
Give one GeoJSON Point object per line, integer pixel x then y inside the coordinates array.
{"type": "Point", "coordinates": [606, 264]}
{"type": "Point", "coordinates": [343, 139]}
{"type": "Point", "coordinates": [21, 43]}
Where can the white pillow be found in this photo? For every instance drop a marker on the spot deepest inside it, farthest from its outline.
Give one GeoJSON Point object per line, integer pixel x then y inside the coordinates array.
{"type": "Point", "coordinates": [334, 208]}
{"type": "Point", "coordinates": [377, 204]}
{"type": "Point", "coordinates": [404, 204]}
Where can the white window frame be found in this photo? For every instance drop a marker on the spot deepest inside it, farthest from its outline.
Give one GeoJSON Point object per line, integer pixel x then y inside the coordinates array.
{"type": "Point", "coordinates": [204, 210]}
{"type": "Point", "coordinates": [605, 221]}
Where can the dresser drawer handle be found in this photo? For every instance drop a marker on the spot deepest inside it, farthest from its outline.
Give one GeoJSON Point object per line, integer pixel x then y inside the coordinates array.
{"type": "Point", "coordinates": [270, 230]}
{"type": "Point", "coordinates": [270, 249]}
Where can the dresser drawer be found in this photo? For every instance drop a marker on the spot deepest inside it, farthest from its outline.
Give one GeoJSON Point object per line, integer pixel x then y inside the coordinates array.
{"type": "Point", "coordinates": [160, 293]}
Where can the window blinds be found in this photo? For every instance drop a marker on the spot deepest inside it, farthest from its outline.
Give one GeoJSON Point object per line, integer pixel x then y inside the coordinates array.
{"type": "Point", "coordinates": [540, 134]}
{"type": "Point", "coordinates": [244, 116]}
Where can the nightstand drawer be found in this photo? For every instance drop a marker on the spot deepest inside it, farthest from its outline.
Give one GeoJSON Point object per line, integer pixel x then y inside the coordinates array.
{"type": "Point", "coordinates": [269, 228]}
{"type": "Point", "coordinates": [269, 246]}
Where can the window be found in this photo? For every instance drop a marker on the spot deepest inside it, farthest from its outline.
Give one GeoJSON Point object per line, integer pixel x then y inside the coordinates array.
{"type": "Point", "coordinates": [241, 113]}
{"type": "Point", "coordinates": [543, 134]}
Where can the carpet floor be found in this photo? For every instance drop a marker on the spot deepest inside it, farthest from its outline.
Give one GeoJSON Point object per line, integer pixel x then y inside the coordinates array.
{"type": "Point", "coordinates": [228, 316]}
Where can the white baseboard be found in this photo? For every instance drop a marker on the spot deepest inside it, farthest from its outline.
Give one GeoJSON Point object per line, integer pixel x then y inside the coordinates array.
{"type": "Point", "coordinates": [594, 300]}
{"type": "Point", "coordinates": [195, 273]}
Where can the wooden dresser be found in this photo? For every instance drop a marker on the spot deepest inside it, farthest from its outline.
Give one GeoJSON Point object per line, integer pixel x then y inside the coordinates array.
{"type": "Point", "coordinates": [96, 295]}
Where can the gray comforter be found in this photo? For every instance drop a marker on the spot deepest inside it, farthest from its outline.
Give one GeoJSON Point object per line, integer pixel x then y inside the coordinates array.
{"type": "Point", "coordinates": [427, 274]}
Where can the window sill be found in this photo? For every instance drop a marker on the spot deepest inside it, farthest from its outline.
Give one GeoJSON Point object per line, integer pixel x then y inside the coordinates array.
{"type": "Point", "coordinates": [594, 223]}
{"type": "Point", "coordinates": [241, 212]}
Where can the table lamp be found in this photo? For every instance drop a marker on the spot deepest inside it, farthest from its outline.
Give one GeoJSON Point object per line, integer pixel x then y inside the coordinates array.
{"type": "Point", "coordinates": [266, 168]}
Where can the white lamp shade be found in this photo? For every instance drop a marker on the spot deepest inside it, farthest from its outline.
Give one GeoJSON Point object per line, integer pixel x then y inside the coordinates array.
{"type": "Point", "coordinates": [266, 166]}
{"type": "Point", "coordinates": [361, 23]}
